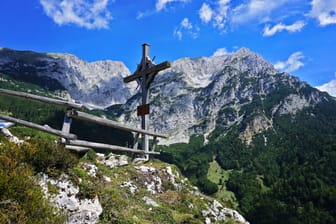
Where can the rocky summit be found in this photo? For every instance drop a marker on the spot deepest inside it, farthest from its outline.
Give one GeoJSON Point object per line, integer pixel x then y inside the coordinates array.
{"type": "Point", "coordinates": [196, 95]}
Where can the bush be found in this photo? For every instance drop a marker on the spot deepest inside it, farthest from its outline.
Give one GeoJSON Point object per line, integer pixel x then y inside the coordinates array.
{"type": "Point", "coordinates": [50, 158]}
{"type": "Point", "coordinates": [21, 199]}
{"type": "Point", "coordinates": [207, 186]}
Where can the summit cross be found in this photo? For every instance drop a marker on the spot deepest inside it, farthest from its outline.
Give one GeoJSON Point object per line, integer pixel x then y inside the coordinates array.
{"type": "Point", "coordinates": [144, 76]}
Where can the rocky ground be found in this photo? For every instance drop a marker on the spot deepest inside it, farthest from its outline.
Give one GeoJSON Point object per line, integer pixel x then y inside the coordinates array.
{"type": "Point", "coordinates": [112, 189]}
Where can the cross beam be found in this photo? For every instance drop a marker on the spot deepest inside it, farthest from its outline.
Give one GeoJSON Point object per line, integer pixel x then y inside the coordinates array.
{"type": "Point", "coordinates": [154, 69]}
{"type": "Point", "coordinates": [144, 75]}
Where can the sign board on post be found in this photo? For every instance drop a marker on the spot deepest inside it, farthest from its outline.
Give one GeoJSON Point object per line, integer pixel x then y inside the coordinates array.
{"type": "Point", "coordinates": [142, 110]}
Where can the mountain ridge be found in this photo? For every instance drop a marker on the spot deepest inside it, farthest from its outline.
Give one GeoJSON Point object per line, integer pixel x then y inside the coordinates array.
{"type": "Point", "coordinates": [95, 84]}
{"type": "Point", "coordinates": [185, 98]}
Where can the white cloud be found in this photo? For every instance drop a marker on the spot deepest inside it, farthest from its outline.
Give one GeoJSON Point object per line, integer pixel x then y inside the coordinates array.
{"type": "Point", "coordinates": [324, 11]}
{"type": "Point", "coordinates": [80, 12]}
{"type": "Point", "coordinates": [186, 26]}
{"type": "Point", "coordinates": [329, 87]}
{"type": "Point", "coordinates": [295, 27]}
{"type": "Point", "coordinates": [221, 13]}
{"type": "Point", "coordinates": [293, 63]}
{"type": "Point", "coordinates": [141, 15]}
{"type": "Point", "coordinates": [205, 13]}
{"type": "Point", "coordinates": [161, 4]}
{"type": "Point", "coordinates": [220, 52]}
{"type": "Point", "coordinates": [218, 13]}
{"type": "Point", "coordinates": [255, 10]}
{"type": "Point", "coordinates": [178, 34]}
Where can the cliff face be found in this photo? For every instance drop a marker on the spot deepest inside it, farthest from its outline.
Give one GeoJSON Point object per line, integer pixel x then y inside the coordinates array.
{"type": "Point", "coordinates": [96, 84]}
{"type": "Point", "coordinates": [197, 95]}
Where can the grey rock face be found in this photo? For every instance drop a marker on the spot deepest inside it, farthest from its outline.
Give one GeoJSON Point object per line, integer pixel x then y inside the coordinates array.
{"type": "Point", "coordinates": [194, 96]}
{"type": "Point", "coordinates": [96, 84]}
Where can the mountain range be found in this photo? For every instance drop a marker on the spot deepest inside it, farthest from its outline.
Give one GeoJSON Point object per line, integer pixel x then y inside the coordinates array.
{"type": "Point", "coordinates": [186, 99]}
{"type": "Point", "coordinates": [256, 138]}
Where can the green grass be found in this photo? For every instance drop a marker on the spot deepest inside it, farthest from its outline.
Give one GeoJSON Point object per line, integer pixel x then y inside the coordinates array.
{"type": "Point", "coordinates": [23, 132]}
{"type": "Point", "coordinates": [220, 176]}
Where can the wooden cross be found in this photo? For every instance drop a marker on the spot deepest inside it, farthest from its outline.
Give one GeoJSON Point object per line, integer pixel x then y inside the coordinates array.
{"type": "Point", "coordinates": [144, 75]}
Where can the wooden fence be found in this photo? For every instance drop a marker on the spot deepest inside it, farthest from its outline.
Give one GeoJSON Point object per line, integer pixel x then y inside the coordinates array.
{"type": "Point", "coordinates": [73, 110]}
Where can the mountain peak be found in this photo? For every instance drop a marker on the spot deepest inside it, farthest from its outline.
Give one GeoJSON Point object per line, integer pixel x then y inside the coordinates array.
{"type": "Point", "coordinates": [244, 51]}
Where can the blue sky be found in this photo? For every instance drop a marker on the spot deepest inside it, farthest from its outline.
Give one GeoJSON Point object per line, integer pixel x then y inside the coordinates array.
{"type": "Point", "coordinates": [298, 36]}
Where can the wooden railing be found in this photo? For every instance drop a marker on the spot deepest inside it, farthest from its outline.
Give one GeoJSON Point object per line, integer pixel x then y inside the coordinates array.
{"type": "Point", "coordinates": [74, 111]}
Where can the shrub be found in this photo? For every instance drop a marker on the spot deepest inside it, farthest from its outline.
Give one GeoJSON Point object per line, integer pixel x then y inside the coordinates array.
{"type": "Point", "coordinates": [50, 158]}
{"type": "Point", "coordinates": [207, 186]}
{"type": "Point", "coordinates": [21, 199]}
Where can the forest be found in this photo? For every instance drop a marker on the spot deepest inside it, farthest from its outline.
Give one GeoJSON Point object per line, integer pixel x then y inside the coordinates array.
{"type": "Point", "coordinates": [289, 179]}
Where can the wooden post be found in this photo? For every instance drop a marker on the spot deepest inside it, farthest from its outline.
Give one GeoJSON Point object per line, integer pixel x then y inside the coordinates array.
{"type": "Point", "coordinates": [145, 63]}
{"type": "Point", "coordinates": [136, 141]}
{"type": "Point", "coordinates": [154, 143]}
{"type": "Point", "coordinates": [66, 123]}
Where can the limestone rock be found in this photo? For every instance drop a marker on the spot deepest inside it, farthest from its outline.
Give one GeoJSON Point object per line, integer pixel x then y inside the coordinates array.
{"type": "Point", "coordinates": [149, 201]}
{"type": "Point", "coordinates": [218, 212]}
{"type": "Point", "coordinates": [78, 210]}
{"type": "Point", "coordinates": [113, 160]}
{"type": "Point", "coordinates": [10, 136]}
{"type": "Point", "coordinates": [129, 184]}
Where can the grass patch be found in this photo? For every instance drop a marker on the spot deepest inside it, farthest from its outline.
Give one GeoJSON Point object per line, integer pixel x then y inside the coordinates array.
{"type": "Point", "coordinates": [220, 176]}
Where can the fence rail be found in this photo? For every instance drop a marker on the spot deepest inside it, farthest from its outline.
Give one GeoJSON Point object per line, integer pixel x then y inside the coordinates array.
{"type": "Point", "coordinates": [38, 127]}
{"type": "Point", "coordinates": [43, 99]}
{"type": "Point", "coordinates": [70, 139]}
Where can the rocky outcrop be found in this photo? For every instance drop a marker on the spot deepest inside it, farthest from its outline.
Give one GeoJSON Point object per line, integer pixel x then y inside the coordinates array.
{"type": "Point", "coordinates": [154, 185]}
{"type": "Point", "coordinates": [10, 136]}
{"type": "Point", "coordinates": [216, 212]}
{"type": "Point", "coordinates": [259, 124]}
{"type": "Point", "coordinates": [112, 160]}
{"type": "Point", "coordinates": [65, 198]}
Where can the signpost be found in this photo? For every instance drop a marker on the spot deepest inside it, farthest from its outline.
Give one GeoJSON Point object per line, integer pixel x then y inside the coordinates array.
{"type": "Point", "coordinates": [144, 75]}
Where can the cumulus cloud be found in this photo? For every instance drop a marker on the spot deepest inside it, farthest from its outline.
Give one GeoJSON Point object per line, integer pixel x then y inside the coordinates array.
{"type": "Point", "coordinates": [161, 4]}
{"type": "Point", "coordinates": [217, 13]}
{"type": "Point", "coordinates": [295, 27]}
{"type": "Point", "coordinates": [329, 87]}
{"type": "Point", "coordinates": [220, 52]}
{"type": "Point", "coordinates": [293, 63]}
{"type": "Point", "coordinates": [186, 26]}
{"type": "Point", "coordinates": [255, 10]}
{"type": "Point", "coordinates": [205, 13]}
{"type": "Point", "coordinates": [324, 11]}
{"type": "Point", "coordinates": [91, 15]}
